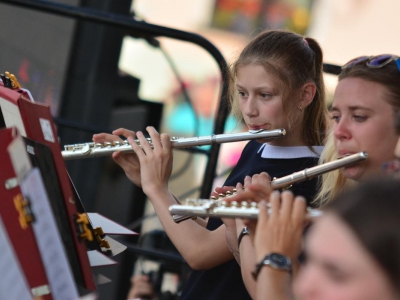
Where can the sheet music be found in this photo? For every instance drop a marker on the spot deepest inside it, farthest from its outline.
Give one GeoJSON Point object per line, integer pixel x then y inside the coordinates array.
{"type": "Point", "coordinates": [46, 129]}
{"type": "Point", "coordinates": [48, 239]}
{"type": "Point", "coordinates": [109, 226]}
{"type": "Point", "coordinates": [9, 266]}
{"type": "Point", "coordinates": [12, 116]}
{"type": "Point", "coordinates": [98, 259]}
{"type": "Point", "coordinates": [20, 160]}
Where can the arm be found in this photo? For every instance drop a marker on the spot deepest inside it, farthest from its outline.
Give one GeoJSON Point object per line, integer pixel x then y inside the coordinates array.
{"type": "Point", "coordinates": [230, 224]}
{"type": "Point", "coordinates": [201, 248]}
{"type": "Point", "coordinates": [247, 259]}
{"type": "Point", "coordinates": [257, 187]}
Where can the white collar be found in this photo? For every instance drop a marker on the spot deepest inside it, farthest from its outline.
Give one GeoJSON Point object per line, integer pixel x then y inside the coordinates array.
{"type": "Point", "coordinates": [279, 152]}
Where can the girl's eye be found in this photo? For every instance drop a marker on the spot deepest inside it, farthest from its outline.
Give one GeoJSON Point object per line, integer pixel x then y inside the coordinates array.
{"type": "Point", "coordinates": [335, 118]}
{"type": "Point", "coordinates": [242, 94]}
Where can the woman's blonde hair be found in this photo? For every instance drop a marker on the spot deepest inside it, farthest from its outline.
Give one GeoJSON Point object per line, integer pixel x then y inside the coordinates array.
{"type": "Point", "coordinates": [332, 183]}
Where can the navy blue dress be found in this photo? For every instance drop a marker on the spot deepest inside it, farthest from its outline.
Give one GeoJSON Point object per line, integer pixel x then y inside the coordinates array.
{"type": "Point", "coordinates": [225, 281]}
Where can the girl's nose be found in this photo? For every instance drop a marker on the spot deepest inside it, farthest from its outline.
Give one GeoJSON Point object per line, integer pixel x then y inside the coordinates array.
{"type": "Point", "coordinates": [250, 108]}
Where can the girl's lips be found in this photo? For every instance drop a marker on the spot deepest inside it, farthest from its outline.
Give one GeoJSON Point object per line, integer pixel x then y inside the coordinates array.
{"type": "Point", "coordinates": [253, 127]}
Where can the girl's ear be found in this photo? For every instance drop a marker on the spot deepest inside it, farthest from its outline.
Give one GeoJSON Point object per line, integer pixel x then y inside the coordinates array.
{"type": "Point", "coordinates": [307, 94]}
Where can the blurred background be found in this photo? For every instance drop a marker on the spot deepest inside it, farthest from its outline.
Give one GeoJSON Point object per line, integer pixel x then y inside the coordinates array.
{"type": "Point", "coordinates": [97, 78]}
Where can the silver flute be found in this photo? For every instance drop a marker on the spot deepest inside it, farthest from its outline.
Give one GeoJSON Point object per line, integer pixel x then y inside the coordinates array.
{"type": "Point", "coordinates": [222, 208]}
{"type": "Point", "coordinates": [87, 150]}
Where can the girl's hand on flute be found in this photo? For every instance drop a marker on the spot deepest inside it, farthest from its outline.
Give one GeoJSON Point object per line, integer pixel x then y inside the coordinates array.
{"type": "Point", "coordinates": [129, 162]}
{"type": "Point", "coordinates": [256, 188]}
{"type": "Point", "coordinates": [156, 163]}
{"type": "Point", "coordinates": [222, 190]}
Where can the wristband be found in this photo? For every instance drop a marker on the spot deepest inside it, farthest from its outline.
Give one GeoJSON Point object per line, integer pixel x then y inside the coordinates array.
{"type": "Point", "coordinates": [276, 261]}
{"type": "Point", "coordinates": [242, 234]}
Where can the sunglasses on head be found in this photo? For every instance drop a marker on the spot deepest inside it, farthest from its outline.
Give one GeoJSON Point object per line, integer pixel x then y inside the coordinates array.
{"type": "Point", "coordinates": [377, 61]}
{"type": "Point", "coordinates": [392, 168]}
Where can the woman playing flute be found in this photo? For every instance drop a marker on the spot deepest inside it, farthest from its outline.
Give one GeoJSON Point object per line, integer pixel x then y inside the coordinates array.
{"type": "Point", "coordinates": [366, 102]}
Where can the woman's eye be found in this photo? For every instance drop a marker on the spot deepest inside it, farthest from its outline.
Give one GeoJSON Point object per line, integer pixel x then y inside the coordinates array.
{"type": "Point", "coordinates": [265, 95]}
{"type": "Point", "coordinates": [359, 118]}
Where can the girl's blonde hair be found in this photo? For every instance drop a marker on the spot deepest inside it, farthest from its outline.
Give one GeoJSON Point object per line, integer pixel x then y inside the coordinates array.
{"type": "Point", "coordinates": [295, 60]}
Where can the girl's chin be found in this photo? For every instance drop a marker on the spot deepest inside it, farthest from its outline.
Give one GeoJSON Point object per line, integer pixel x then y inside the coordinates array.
{"type": "Point", "coordinates": [262, 141]}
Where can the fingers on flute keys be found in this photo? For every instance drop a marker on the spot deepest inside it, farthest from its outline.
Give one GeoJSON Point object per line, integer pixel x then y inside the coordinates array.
{"type": "Point", "coordinates": [124, 132]}
{"type": "Point", "coordinates": [115, 136]}
{"type": "Point", "coordinates": [261, 179]}
{"type": "Point", "coordinates": [161, 141]}
{"type": "Point", "coordinates": [225, 190]}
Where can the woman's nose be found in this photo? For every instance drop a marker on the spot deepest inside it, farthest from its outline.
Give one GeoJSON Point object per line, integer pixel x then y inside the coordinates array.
{"type": "Point", "coordinates": [341, 129]}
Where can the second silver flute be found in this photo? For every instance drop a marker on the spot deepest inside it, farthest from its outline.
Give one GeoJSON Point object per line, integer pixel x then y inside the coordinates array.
{"type": "Point", "coordinates": [217, 208]}
{"type": "Point", "coordinates": [87, 150]}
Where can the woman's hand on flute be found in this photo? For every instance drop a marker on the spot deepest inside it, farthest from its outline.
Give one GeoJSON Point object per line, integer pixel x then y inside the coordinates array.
{"type": "Point", "coordinates": [129, 162]}
{"type": "Point", "coordinates": [280, 225]}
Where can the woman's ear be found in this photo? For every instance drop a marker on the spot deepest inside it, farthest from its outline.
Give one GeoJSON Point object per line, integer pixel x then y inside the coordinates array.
{"type": "Point", "coordinates": [397, 150]}
{"type": "Point", "coordinates": [307, 94]}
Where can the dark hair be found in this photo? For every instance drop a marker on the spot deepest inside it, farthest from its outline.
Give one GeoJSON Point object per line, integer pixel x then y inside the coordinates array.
{"type": "Point", "coordinates": [372, 211]}
{"type": "Point", "coordinates": [388, 76]}
{"type": "Point", "coordinates": [295, 60]}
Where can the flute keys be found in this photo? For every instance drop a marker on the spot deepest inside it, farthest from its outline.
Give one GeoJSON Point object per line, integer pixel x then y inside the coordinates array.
{"type": "Point", "coordinates": [234, 204]}
{"type": "Point", "coordinates": [190, 203]}
{"type": "Point", "coordinates": [244, 204]}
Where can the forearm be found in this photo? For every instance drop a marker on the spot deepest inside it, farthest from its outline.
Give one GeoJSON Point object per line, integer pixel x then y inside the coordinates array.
{"type": "Point", "coordinates": [247, 259]}
{"type": "Point", "coordinates": [247, 263]}
{"type": "Point", "coordinates": [273, 284]}
{"type": "Point", "coordinates": [201, 248]}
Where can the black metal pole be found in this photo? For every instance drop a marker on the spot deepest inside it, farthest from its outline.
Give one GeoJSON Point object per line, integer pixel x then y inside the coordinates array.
{"type": "Point", "coordinates": [142, 28]}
